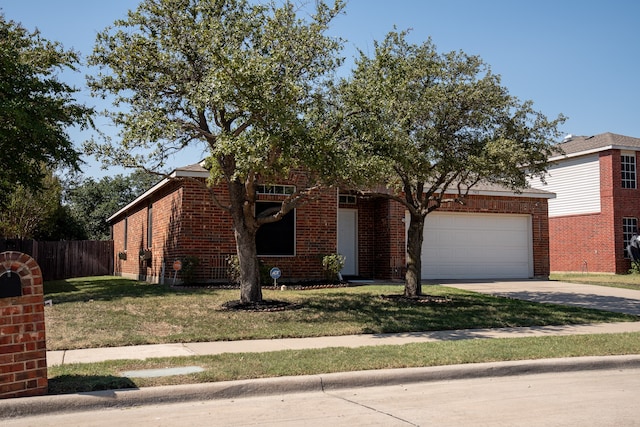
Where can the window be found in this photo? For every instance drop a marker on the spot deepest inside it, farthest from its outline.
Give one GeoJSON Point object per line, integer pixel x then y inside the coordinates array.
{"type": "Point", "coordinates": [628, 168]}
{"type": "Point", "coordinates": [126, 226]}
{"type": "Point", "coordinates": [149, 226]}
{"type": "Point", "coordinates": [281, 190]}
{"type": "Point", "coordinates": [347, 199]}
{"type": "Point", "coordinates": [629, 229]}
{"type": "Point", "coordinates": [275, 238]}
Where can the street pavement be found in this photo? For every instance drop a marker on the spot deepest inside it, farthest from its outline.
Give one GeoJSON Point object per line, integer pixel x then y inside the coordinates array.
{"type": "Point", "coordinates": [612, 299]}
{"type": "Point", "coordinates": [593, 398]}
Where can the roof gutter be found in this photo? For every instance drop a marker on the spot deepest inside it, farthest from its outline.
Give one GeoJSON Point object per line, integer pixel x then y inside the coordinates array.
{"type": "Point", "coordinates": [524, 193]}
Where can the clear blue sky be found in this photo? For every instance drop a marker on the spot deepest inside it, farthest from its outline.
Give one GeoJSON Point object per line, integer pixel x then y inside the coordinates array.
{"type": "Point", "coordinates": [580, 58]}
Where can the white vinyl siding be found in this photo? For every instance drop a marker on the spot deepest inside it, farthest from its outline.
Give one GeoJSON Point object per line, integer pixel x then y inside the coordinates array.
{"type": "Point", "coordinates": [576, 183]}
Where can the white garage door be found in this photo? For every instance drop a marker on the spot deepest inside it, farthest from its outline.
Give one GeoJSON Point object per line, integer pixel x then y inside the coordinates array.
{"type": "Point", "coordinates": [477, 246]}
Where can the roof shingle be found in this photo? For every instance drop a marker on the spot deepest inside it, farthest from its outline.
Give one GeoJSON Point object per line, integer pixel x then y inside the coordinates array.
{"type": "Point", "coordinates": [603, 141]}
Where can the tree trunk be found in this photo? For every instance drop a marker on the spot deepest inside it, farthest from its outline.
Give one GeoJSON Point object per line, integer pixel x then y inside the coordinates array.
{"type": "Point", "coordinates": [245, 229]}
{"type": "Point", "coordinates": [250, 289]}
{"type": "Point", "coordinates": [413, 276]}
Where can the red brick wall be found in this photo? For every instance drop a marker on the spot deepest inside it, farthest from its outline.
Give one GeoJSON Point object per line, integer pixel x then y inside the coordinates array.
{"type": "Point", "coordinates": [23, 347]}
{"type": "Point", "coordinates": [381, 242]}
{"type": "Point", "coordinates": [594, 242]}
{"type": "Point", "coordinates": [625, 202]}
{"type": "Point", "coordinates": [382, 231]}
{"type": "Point", "coordinates": [188, 222]}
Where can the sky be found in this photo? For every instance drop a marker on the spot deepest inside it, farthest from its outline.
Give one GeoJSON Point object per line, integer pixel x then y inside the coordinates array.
{"type": "Point", "coordinates": [579, 58]}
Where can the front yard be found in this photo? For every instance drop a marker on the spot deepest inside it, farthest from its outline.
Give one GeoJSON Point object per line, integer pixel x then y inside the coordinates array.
{"type": "Point", "coordinates": [111, 311]}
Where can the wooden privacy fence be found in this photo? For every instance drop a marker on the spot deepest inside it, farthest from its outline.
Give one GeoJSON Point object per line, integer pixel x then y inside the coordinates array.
{"type": "Point", "coordinates": [66, 259]}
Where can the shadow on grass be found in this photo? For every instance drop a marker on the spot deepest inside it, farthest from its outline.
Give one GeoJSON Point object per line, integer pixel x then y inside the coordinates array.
{"type": "Point", "coordinates": [464, 311]}
{"type": "Point", "coordinates": [593, 301]}
{"type": "Point", "coordinates": [107, 289]}
{"type": "Point", "coordinates": [65, 384]}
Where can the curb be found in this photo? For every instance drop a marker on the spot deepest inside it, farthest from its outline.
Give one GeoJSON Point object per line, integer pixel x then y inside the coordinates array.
{"type": "Point", "coordinates": [125, 398]}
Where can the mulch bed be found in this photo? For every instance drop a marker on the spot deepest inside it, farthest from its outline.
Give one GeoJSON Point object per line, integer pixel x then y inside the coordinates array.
{"type": "Point", "coordinates": [298, 286]}
{"type": "Point", "coordinates": [275, 305]}
{"type": "Point", "coordinates": [417, 300]}
{"type": "Point", "coordinates": [262, 306]}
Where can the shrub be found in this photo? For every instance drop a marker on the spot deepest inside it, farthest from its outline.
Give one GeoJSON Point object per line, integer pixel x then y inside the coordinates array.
{"type": "Point", "coordinates": [189, 265]}
{"type": "Point", "coordinates": [332, 264]}
{"type": "Point", "coordinates": [233, 270]}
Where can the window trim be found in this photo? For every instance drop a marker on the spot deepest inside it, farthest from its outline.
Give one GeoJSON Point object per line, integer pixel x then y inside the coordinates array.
{"type": "Point", "coordinates": [628, 170]}
{"type": "Point", "coordinates": [276, 189]}
{"type": "Point", "coordinates": [347, 199]}
{"type": "Point", "coordinates": [629, 229]}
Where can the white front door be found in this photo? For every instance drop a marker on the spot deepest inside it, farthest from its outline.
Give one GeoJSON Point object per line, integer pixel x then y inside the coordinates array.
{"type": "Point", "coordinates": [348, 240]}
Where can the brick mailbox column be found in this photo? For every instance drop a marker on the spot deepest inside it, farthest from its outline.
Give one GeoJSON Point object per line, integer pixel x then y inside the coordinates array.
{"type": "Point", "coordinates": [23, 350]}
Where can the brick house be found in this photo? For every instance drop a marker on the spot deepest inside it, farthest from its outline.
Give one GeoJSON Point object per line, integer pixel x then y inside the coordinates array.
{"type": "Point", "coordinates": [597, 203]}
{"type": "Point", "coordinates": [495, 234]}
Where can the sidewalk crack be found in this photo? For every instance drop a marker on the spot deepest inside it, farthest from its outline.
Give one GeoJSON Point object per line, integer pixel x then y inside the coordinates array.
{"type": "Point", "coordinates": [374, 409]}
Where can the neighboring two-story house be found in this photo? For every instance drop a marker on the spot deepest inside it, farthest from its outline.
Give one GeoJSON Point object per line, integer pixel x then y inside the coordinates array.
{"type": "Point", "coordinates": [597, 204]}
{"type": "Point", "coordinates": [495, 234]}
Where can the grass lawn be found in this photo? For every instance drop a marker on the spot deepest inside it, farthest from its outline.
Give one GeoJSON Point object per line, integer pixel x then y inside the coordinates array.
{"type": "Point", "coordinates": [111, 311]}
{"type": "Point", "coordinates": [225, 367]}
{"type": "Point", "coordinates": [628, 281]}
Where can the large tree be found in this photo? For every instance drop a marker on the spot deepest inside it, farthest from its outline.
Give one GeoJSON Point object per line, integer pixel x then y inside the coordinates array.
{"type": "Point", "coordinates": [243, 78]}
{"type": "Point", "coordinates": [36, 108]}
{"type": "Point", "coordinates": [90, 202]}
{"type": "Point", "coordinates": [28, 213]}
{"type": "Point", "coordinates": [431, 126]}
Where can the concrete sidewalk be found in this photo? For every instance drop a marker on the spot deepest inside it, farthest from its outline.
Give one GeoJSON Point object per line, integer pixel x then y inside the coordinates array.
{"type": "Point", "coordinates": [551, 292]}
{"type": "Point", "coordinates": [597, 297]}
{"type": "Point", "coordinates": [259, 346]}
{"type": "Point", "coordinates": [543, 291]}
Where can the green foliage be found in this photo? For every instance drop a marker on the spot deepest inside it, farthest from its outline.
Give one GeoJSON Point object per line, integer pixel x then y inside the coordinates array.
{"type": "Point", "coordinates": [431, 126]}
{"type": "Point", "coordinates": [635, 268]}
{"type": "Point", "coordinates": [233, 270]}
{"type": "Point", "coordinates": [92, 201]}
{"type": "Point", "coordinates": [241, 78]}
{"type": "Point", "coordinates": [35, 108]}
{"type": "Point", "coordinates": [265, 273]}
{"type": "Point", "coordinates": [38, 214]}
{"type": "Point", "coordinates": [332, 265]}
{"type": "Point", "coordinates": [432, 122]}
{"type": "Point", "coordinates": [190, 265]}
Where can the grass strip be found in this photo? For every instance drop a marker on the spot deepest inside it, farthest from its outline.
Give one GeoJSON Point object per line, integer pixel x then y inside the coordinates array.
{"type": "Point", "coordinates": [107, 375]}
{"type": "Point", "coordinates": [626, 281]}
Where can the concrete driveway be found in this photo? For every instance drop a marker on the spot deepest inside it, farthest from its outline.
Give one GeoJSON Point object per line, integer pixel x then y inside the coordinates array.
{"type": "Point", "coordinates": [552, 292]}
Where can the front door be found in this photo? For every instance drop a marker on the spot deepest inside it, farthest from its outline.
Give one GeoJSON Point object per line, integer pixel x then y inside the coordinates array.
{"type": "Point", "coordinates": [348, 240]}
